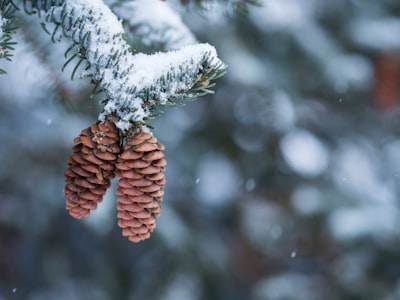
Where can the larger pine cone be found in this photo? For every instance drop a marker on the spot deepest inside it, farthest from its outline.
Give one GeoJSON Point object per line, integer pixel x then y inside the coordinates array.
{"type": "Point", "coordinates": [91, 167]}
{"type": "Point", "coordinates": [141, 168]}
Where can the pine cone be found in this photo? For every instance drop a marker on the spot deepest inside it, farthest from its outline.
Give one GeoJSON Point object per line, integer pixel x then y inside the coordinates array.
{"type": "Point", "coordinates": [140, 191]}
{"type": "Point", "coordinates": [91, 167]}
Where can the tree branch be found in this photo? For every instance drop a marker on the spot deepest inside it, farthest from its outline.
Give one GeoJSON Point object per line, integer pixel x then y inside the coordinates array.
{"type": "Point", "coordinates": [7, 30]}
{"type": "Point", "coordinates": [135, 84]}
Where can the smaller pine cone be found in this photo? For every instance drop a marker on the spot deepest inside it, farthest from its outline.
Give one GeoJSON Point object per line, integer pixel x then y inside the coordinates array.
{"type": "Point", "coordinates": [140, 191]}
{"type": "Point", "coordinates": [91, 167]}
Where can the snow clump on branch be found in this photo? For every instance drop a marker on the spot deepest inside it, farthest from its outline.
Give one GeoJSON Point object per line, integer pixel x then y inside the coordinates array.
{"type": "Point", "coordinates": [135, 84]}
{"type": "Point", "coordinates": [154, 23]}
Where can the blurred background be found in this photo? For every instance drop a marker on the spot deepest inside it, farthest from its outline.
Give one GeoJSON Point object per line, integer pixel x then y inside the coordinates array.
{"type": "Point", "coordinates": [282, 185]}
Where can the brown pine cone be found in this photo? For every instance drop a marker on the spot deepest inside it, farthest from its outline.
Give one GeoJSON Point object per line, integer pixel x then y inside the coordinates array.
{"type": "Point", "coordinates": [141, 168]}
{"type": "Point", "coordinates": [91, 167]}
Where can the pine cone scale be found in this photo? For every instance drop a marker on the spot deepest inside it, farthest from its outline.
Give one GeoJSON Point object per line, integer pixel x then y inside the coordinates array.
{"type": "Point", "coordinates": [105, 156]}
{"type": "Point", "coordinates": [131, 223]}
{"type": "Point", "coordinates": [131, 207]}
{"type": "Point", "coordinates": [149, 170]}
{"type": "Point", "coordinates": [132, 191]}
{"type": "Point", "coordinates": [91, 159]}
{"type": "Point", "coordinates": [154, 177]}
{"type": "Point", "coordinates": [128, 174]}
{"type": "Point", "coordinates": [88, 195]}
{"type": "Point", "coordinates": [124, 183]}
{"type": "Point", "coordinates": [150, 189]}
{"type": "Point", "coordinates": [131, 155]}
{"type": "Point", "coordinates": [145, 147]}
{"type": "Point", "coordinates": [90, 168]}
{"type": "Point", "coordinates": [153, 155]}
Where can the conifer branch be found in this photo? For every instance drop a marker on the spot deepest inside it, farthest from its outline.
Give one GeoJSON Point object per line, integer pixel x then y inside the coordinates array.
{"type": "Point", "coordinates": [7, 29]}
{"type": "Point", "coordinates": [236, 5]}
{"type": "Point", "coordinates": [152, 25]}
{"type": "Point", "coordinates": [135, 84]}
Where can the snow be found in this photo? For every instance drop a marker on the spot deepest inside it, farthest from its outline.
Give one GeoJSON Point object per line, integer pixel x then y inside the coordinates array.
{"type": "Point", "coordinates": [102, 218]}
{"type": "Point", "coordinates": [182, 285]}
{"type": "Point", "coordinates": [307, 200]}
{"type": "Point", "coordinates": [147, 69]}
{"type": "Point", "coordinates": [130, 80]}
{"type": "Point", "coordinates": [32, 70]}
{"type": "Point", "coordinates": [155, 22]}
{"type": "Point", "coordinates": [145, 72]}
{"type": "Point", "coordinates": [218, 180]}
{"type": "Point", "coordinates": [244, 68]}
{"type": "Point", "coordinates": [283, 116]}
{"type": "Point", "coordinates": [262, 222]}
{"type": "Point", "coordinates": [391, 152]}
{"type": "Point", "coordinates": [283, 14]}
{"type": "Point", "coordinates": [381, 34]}
{"type": "Point", "coordinates": [172, 229]}
{"type": "Point", "coordinates": [288, 285]}
{"type": "Point", "coordinates": [2, 22]}
{"type": "Point", "coordinates": [355, 170]}
{"type": "Point", "coordinates": [376, 221]}
{"type": "Point", "coordinates": [274, 110]}
{"type": "Point", "coordinates": [304, 153]}
{"type": "Point", "coordinates": [250, 184]}
{"type": "Point", "coordinates": [350, 70]}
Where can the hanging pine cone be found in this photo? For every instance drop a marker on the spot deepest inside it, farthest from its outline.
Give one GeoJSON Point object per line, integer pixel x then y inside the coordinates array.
{"type": "Point", "coordinates": [91, 167]}
{"type": "Point", "coordinates": [141, 168]}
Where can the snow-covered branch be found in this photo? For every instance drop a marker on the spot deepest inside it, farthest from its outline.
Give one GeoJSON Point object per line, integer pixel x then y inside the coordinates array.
{"type": "Point", "coordinates": [153, 24]}
{"type": "Point", "coordinates": [135, 84]}
{"type": "Point", "coordinates": [161, 79]}
{"type": "Point", "coordinates": [7, 29]}
{"type": "Point", "coordinates": [237, 5]}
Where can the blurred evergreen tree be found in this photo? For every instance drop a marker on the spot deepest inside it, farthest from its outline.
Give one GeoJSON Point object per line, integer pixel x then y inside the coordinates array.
{"type": "Point", "coordinates": [282, 185]}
